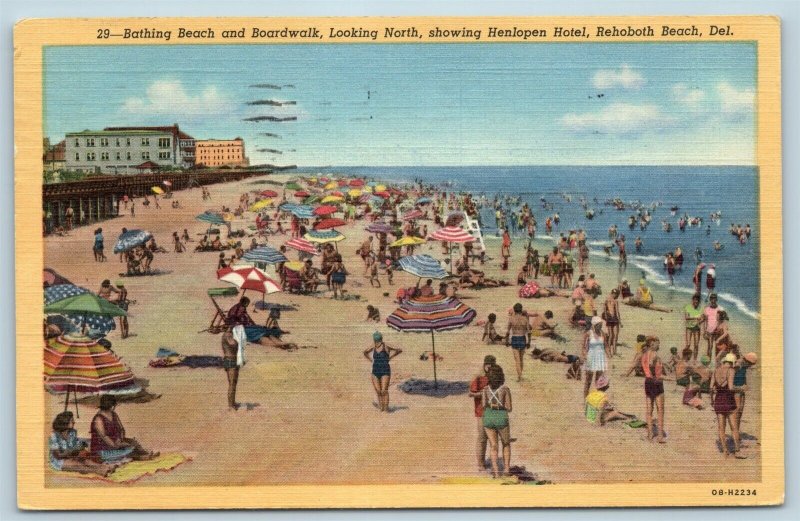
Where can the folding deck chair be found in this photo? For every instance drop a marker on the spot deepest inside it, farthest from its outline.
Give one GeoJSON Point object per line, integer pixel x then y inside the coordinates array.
{"type": "Point", "coordinates": [219, 321]}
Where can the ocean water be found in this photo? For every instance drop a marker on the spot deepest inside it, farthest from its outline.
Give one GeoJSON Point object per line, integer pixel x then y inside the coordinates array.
{"type": "Point", "coordinates": [696, 190]}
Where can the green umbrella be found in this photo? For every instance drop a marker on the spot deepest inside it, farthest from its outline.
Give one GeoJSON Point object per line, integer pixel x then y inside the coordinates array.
{"type": "Point", "coordinates": [292, 186]}
{"type": "Point", "coordinates": [86, 303]}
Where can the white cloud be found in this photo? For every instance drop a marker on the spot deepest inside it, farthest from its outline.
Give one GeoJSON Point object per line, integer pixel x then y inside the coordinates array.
{"type": "Point", "coordinates": [171, 97]}
{"type": "Point", "coordinates": [734, 100]}
{"type": "Point", "coordinates": [687, 95]}
{"type": "Point", "coordinates": [619, 118]}
{"type": "Point", "coordinates": [624, 77]}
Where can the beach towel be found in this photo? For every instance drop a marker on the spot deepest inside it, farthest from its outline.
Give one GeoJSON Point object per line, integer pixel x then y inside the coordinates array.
{"type": "Point", "coordinates": [136, 470]}
{"type": "Point", "coordinates": [241, 337]}
{"type": "Point", "coordinates": [164, 352]}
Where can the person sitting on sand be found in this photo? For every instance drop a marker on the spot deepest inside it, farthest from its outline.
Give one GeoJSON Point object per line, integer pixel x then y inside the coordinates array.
{"type": "Point", "coordinates": [625, 290]}
{"type": "Point", "coordinates": [69, 453]}
{"type": "Point", "coordinates": [643, 297]}
{"type": "Point", "coordinates": [216, 244]}
{"type": "Point", "coordinates": [427, 289]}
{"type": "Point", "coordinates": [593, 287]}
{"type": "Point", "coordinates": [490, 334]}
{"type": "Point", "coordinates": [579, 318]}
{"type": "Point", "coordinates": [177, 243]}
{"type": "Point", "coordinates": [541, 325]}
{"type": "Point", "coordinates": [496, 401]}
{"type": "Point", "coordinates": [310, 277]}
{"type": "Point", "coordinates": [373, 315]}
{"type": "Point", "coordinates": [523, 275]}
{"type": "Point", "coordinates": [599, 406]}
{"type": "Point", "coordinates": [203, 244]}
{"type": "Point", "coordinates": [155, 248]}
{"type": "Point", "coordinates": [221, 263]}
{"type": "Point", "coordinates": [108, 442]}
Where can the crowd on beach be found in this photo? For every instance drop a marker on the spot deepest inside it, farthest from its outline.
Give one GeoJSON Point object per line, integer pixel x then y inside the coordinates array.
{"type": "Point", "coordinates": [560, 272]}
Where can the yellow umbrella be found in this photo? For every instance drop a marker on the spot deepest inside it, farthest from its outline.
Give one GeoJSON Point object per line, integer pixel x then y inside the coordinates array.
{"type": "Point", "coordinates": [407, 241]}
{"type": "Point", "coordinates": [312, 179]}
{"type": "Point", "coordinates": [157, 190]}
{"type": "Point", "coordinates": [293, 265]}
{"type": "Point", "coordinates": [331, 185]}
{"type": "Point", "coordinates": [380, 188]}
{"type": "Point", "coordinates": [332, 199]}
{"type": "Point", "coordinates": [258, 205]}
{"type": "Point", "coordinates": [355, 192]}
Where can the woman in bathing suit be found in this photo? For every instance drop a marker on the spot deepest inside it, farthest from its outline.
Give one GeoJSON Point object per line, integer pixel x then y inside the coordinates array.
{"type": "Point", "coordinates": [496, 406]}
{"type": "Point", "coordinates": [613, 320]}
{"type": "Point", "coordinates": [722, 396]}
{"type": "Point", "coordinates": [653, 387]}
{"type": "Point", "coordinates": [381, 372]}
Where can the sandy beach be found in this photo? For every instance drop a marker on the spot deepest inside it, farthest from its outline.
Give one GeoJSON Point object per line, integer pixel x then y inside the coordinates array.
{"type": "Point", "coordinates": [310, 415]}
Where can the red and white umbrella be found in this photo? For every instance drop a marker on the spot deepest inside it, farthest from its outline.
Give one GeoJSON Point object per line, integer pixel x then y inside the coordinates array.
{"type": "Point", "coordinates": [301, 244]}
{"type": "Point", "coordinates": [249, 278]}
{"type": "Point", "coordinates": [413, 214]}
{"type": "Point", "coordinates": [327, 224]}
{"type": "Point", "coordinates": [452, 234]}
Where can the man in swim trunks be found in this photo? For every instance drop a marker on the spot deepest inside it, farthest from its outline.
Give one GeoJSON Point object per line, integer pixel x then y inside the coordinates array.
{"type": "Point", "coordinates": [518, 336]}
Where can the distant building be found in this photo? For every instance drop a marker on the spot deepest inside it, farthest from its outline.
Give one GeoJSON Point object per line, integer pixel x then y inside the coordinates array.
{"type": "Point", "coordinates": [120, 151]}
{"type": "Point", "coordinates": [54, 156]}
{"type": "Point", "coordinates": [182, 143]}
{"type": "Point", "coordinates": [220, 152]}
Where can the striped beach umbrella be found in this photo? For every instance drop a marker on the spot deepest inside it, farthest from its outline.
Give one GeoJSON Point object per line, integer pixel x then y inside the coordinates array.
{"type": "Point", "coordinates": [301, 244]}
{"type": "Point", "coordinates": [131, 239]}
{"type": "Point", "coordinates": [379, 227]}
{"type": "Point", "coordinates": [322, 237]}
{"type": "Point", "coordinates": [300, 211]}
{"type": "Point", "coordinates": [265, 254]}
{"type": "Point", "coordinates": [423, 266]}
{"type": "Point", "coordinates": [413, 214]}
{"type": "Point", "coordinates": [249, 278]}
{"type": "Point", "coordinates": [431, 314]}
{"type": "Point", "coordinates": [83, 365]}
{"type": "Point", "coordinates": [452, 234]}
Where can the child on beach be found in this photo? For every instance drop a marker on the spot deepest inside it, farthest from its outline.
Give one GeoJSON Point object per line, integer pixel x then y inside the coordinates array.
{"type": "Point", "coordinates": [490, 334]}
{"type": "Point", "coordinates": [373, 315]}
{"type": "Point", "coordinates": [372, 271]}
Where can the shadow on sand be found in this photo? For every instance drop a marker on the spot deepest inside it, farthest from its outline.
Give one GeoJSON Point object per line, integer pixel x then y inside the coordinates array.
{"type": "Point", "coordinates": [429, 388]}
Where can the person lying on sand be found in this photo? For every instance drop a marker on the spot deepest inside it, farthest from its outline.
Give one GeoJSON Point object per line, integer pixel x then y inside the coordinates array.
{"type": "Point", "coordinates": [599, 406]}
{"type": "Point", "coordinates": [551, 355]}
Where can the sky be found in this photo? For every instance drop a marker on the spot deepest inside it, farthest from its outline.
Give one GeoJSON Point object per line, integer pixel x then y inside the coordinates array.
{"type": "Point", "coordinates": [424, 104]}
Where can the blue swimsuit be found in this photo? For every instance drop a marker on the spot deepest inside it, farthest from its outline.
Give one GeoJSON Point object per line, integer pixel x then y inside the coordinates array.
{"type": "Point", "coordinates": [380, 363]}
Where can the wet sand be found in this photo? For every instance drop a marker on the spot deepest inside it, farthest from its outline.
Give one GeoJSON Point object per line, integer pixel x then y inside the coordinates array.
{"type": "Point", "coordinates": [310, 415]}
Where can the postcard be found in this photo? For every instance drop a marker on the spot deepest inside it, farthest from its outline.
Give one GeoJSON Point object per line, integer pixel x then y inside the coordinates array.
{"type": "Point", "coordinates": [398, 262]}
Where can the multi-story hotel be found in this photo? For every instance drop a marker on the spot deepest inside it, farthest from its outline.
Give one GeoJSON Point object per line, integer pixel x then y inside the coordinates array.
{"type": "Point", "coordinates": [182, 143]}
{"type": "Point", "coordinates": [120, 151]}
{"type": "Point", "coordinates": [220, 152]}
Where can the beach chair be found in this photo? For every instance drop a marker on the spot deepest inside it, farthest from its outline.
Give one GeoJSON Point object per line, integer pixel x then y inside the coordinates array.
{"type": "Point", "coordinates": [219, 320]}
{"type": "Point", "coordinates": [294, 283]}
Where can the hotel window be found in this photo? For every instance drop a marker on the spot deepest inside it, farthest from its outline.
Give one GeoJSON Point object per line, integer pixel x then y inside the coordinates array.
{"type": "Point", "coordinates": [103, 141]}
{"type": "Point", "coordinates": [164, 155]}
{"type": "Point", "coordinates": [128, 156]}
{"type": "Point", "coordinates": [163, 142]}
{"type": "Point", "coordinates": [145, 141]}
{"type": "Point", "coordinates": [77, 157]}
{"type": "Point", "coordinates": [77, 142]}
{"type": "Point", "coordinates": [90, 142]}
{"type": "Point", "coordinates": [104, 156]}
{"type": "Point", "coordinates": [127, 142]}
{"type": "Point", "coordinates": [118, 141]}
{"type": "Point", "coordinates": [119, 156]}
{"type": "Point", "coordinates": [90, 156]}
{"type": "Point", "coordinates": [145, 155]}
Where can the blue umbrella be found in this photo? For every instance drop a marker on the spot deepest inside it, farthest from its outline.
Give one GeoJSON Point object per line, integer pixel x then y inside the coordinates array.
{"type": "Point", "coordinates": [265, 254]}
{"type": "Point", "coordinates": [302, 211]}
{"type": "Point", "coordinates": [131, 239]}
{"type": "Point", "coordinates": [210, 218]}
{"type": "Point", "coordinates": [423, 200]}
{"type": "Point", "coordinates": [423, 266]}
{"type": "Point", "coordinates": [99, 324]}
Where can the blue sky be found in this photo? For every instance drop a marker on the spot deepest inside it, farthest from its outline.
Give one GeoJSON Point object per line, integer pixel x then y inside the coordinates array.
{"type": "Point", "coordinates": [425, 104]}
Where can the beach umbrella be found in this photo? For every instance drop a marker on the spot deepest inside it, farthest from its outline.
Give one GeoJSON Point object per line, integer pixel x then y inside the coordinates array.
{"type": "Point", "coordinates": [337, 193]}
{"type": "Point", "coordinates": [265, 254]}
{"type": "Point", "coordinates": [82, 365]}
{"type": "Point", "coordinates": [325, 210]}
{"type": "Point", "coordinates": [260, 205]}
{"type": "Point", "coordinates": [249, 278]}
{"type": "Point", "coordinates": [330, 186]}
{"type": "Point", "coordinates": [332, 199]}
{"type": "Point", "coordinates": [452, 234]}
{"type": "Point", "coordinates": [379, 227]}
{"type": "Point", "coordinates": [329, 223]}
{"type": "Point", "coordinates": [88, 303]}
{"type": "Point", "coordinates": [424, 200]}
{"type": "Point", "coordinates": [210, 218]}
{"type": "Point", "coordinates": [294, 265]}
{"type": "Point", "coordinates": [292, 186]}
{"type": "Point", "coordinates": [423, 266]}
{"type": "Point", "coordinates": [380, 188]}
{"type": "Point", "coordinates": [302, 211]}
{"type": "Point", "coordinates": [382, 193]}
{"type": "Point", "coordinates": [431, 314]}
{"type": "Point", "coordinates": [132, 239]}
{"type": "Point", "coordinates": [341, 183]}
{"type": "Point", "coordinates": [301, 244]}
{"type": "Point", "coordinates": [354, 193]}
{"type": "Point", "coordinates": [357, 183]}
{"type": "Point", "coordinates": [301, 194]}
{"type": "Point", "coordinates": [407, 241]}
{"type": "Point", "coordinates": [268, 193]}
{"type": "Point", "coordinates": [157, 190]}
{"type": "Point", "coordinates": [100, 323]}
{"type": "Point", "coordinates": [311, 199]}
{"type": "Point", "coordinates": [367, 189]}
{"type": "Point", "coordinates": [324, 179]}
{"type": "Point", "coordinates": [413, 214]}
{"type": "Point", "coordinates": [322, 237]}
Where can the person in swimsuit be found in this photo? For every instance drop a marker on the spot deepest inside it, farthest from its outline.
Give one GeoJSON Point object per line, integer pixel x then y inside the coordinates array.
{"type": "Point", "coordinates": [693, 315]}
{"type": "Point", "coordinates": [740, 384]}
{"type": "Point", "coordinates": [381, 372]}
{"type": "Point", "coordinates": [723, 397]}
{"type": "Point", "coordinates": [613, 320]}
{"type": "Point", "coordinates": [123, 302]}
{"type": "Point", "coordinates": [496, 400]}
{"type": "Point", "coordinates": [108, 442]}
{"type": "Point", "coordinates": [518, 336]}
{"type": "Point", "coordinates": [476, 393]}
{"type": "Point", "coordinates": [67, 452]}
{"type": "Point", "coordinates": [490, 334]}
{"type": "Point", "coordinates": [338, 276]}
{"type": "Point", "coordinates": [710, 320]}
{"type": "Point", "coordinates": [99, 256]}
{"type": "Point", "coordinates": [653, 387]}
{"type": "Point", "coordinates": [595, 350]}
{"type": "Point", "coordinates": [230, 348]}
